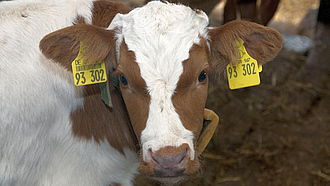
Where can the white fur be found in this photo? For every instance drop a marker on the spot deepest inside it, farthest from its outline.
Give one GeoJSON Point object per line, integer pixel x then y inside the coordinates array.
{"type": "Point", "coordinates": [36, 97]}
{"type": "Point", "coordinates": [161, 35]}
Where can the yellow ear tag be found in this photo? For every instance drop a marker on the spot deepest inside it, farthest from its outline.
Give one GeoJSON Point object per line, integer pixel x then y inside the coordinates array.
{"type": "Point", "coordinates": [86, 74]}
{"type": "Point", "coordinates": [209, 130]}
{"type": "Point", "coordinates": [246, 72]}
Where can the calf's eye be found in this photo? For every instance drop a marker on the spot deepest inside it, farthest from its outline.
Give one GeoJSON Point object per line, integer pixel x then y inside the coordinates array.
{"type": "Point", "coordinates": [123, 80]}
{"type": "Point", "coordinates": [202, 77]}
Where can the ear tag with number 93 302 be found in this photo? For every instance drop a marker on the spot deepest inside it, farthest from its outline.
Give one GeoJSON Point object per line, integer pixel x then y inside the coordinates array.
{"type": "Point", "coordinates": [246, 72]}
{"type": "Point", "coordinates": [86, 74]}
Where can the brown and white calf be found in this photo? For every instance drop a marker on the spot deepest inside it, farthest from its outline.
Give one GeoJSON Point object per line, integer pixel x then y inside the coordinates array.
{"type": "Point", "coordinates": [54, 133]}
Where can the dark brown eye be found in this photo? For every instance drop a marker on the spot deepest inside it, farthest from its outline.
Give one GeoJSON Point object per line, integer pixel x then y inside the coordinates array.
{"type": "Point", "coordinates": [202, 77]}
{"type": "Point", "coordinates": [123, 80]}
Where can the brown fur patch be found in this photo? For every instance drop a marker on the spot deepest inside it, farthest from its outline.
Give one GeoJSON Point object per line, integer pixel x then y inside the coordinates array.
{"type": "Point", "coordinates": [96, 120]}
{"type": "Point", "coordinates": [79, 20]}
{"type": "Point", "coordinates": [262, 43]}
{"type": "Point", "coordinates": [190, 97]}
{"type": "Point", "coordinates": [135, 94]}
{"type": "Point", "coordinates": [104, 11]}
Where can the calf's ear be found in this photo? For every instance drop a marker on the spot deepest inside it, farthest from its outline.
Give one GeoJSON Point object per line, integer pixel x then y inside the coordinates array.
{"type": "Point", "coordinates": [63, 45]}
{"type": "Point", "coordinates": [262, 43]}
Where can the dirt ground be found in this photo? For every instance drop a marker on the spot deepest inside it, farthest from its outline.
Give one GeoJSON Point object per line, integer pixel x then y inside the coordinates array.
{"type": "Point", "coordinates": [277, 133]}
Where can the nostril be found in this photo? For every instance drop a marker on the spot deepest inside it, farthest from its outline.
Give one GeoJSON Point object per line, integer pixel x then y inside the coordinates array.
{"type": "Point", "coordinates": [168, 160]}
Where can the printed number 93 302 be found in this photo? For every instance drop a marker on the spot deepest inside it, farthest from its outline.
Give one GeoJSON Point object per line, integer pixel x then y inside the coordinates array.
{"type": "Point", "coordinates": [247, 69]}
{"type": "Point", "coordinates": [244, 74]}
{"type": "Point", "coordinates": [89, 74]}
{"type": "Point", "coordinates": [95, 77]}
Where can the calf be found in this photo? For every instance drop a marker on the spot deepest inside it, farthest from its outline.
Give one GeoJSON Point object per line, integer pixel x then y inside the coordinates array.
{"type": "Point", "coordinates": [54, 133]}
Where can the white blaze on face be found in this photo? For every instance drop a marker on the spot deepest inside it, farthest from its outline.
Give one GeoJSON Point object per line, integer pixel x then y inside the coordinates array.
{"type": "Point", "coordinates": [161, 35]}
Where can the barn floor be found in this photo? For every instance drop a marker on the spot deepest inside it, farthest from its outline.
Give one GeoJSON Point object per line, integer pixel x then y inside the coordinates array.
{"type": "Point", "coordinates": [277, 133]}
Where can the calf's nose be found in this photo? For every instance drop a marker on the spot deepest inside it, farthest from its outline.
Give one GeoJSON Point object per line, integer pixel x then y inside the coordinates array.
{"type": "Point", "coordinates": [170, 161]}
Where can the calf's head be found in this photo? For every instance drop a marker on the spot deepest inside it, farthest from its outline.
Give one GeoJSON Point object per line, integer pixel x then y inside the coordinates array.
{"type": "Point", "coordinates": [162, 54]}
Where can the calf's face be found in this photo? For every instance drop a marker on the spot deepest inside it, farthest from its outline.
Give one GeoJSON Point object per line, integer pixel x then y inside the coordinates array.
{"type": "Point", "coordinates": [163, 64]}
{"type": "Point", "coordinates": [163, 54]}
